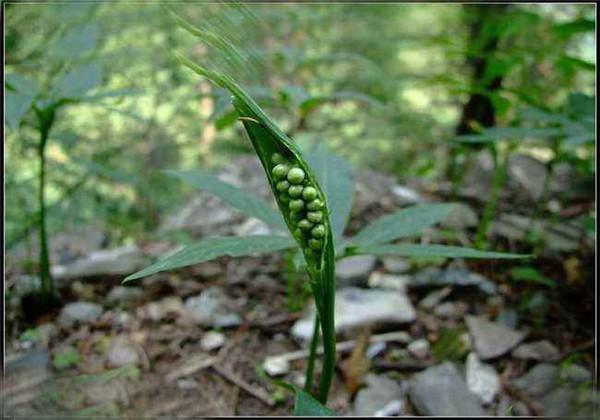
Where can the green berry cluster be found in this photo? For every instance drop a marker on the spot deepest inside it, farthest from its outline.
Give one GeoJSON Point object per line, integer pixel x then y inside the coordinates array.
{"type": "Point", "coordinates": [303, 201]}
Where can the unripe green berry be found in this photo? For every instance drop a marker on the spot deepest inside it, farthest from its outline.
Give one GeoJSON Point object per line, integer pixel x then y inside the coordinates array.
{"type": "Point", "coordinates": [295, 191]}
{"type": "Point", "coordinates": [314, 216]}
{"type": "Point", "coordinates": [309, 193]}
{"type": "Point", "coordinates": [304, 224]}
{"type": "Point", "coordinates": [315, 205]}
{"type": "Point", "coordinates": [295, 175]}
{"type": "Point", "coordinates": [315, 244]}
{"type": "Point", "coordinates": [296, 205]}
{"type": "Point", "coordinates": [277, 158]}
{"type": "Point", "coordinates": [280, 171]}
{"type": "Point", "coordinates": [283, 197]}
{"type": "Point", "coordinates": [282, 186]}
{"type": "Point", "coordinates": [298, 234]}
{"type": "Point", "coordinates": [295, 215]}
{"type": "Point", "coordinates": [318, 231]}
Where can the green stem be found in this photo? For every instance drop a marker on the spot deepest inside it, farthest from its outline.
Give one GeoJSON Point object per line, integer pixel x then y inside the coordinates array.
{"type": "Point", "coordinates": [328, 330]}
{"type": "Point", "coordinates": [46, 118]}
{"type": "Point", "coordinates": [312, 355]}
{"type": "Point", "coordinates": [491, 204]}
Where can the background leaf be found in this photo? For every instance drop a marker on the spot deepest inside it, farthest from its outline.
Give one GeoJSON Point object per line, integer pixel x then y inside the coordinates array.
{"type": "Point", "coordinates": [212, 248]}
{"type": "Point", "coordinates": [76, 42]}
{"type": "Point", "coordinates": [446, 251]}
{"type": "Point", "coordinates": [78, 81]}
{"type": "Point", "coordinates": [17, 105]}
{"type": "Point", "coordinates": [402, 224]}
{"type": "Point", "coordinates": [335, 177]}
{"type": "Point", "coordinates": [247, 203]}
{"type": "Point", "coordinates": [305, 405]}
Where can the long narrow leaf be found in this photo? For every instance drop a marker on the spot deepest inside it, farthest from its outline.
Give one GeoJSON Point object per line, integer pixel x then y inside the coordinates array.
{"type": "Point", "coordinates": [212, 248]}
{"type": "Point", "coordinates": [402, 224]}
{"type": "Point", "coordinates": [245, 202]}
{"type": "Point", "coordinates": [445, 251]}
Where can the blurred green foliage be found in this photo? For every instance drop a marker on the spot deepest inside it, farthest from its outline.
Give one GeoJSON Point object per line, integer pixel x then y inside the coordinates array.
{"type": "Point", "coordinates": [383, 85]}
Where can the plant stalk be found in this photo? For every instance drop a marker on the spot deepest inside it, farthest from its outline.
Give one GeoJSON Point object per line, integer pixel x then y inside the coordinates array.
{"type": "Point", "coordinates": [47, 283]}
{"type": "Point", "coordinates": [312, 355]}
{"type": "Point", "coordinates": [491, 204]}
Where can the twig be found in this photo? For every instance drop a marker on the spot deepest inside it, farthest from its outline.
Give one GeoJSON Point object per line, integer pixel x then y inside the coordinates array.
{"type": "Point", "coordinates": [581, 347]}
{"type": "Point", "coordinates": [341, 347]}
{"type": "Point", "coordinates": [191, 366]}
{"type": "Point", "coordinates": [256, 392]}
{"type": "Point", "coordinates": [402, 366]}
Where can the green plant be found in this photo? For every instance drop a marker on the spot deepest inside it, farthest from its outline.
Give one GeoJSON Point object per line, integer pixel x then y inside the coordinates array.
{"type": "Point", "coordinates": [313, 194]}
{"type": "Point", "coordinates": [38, 106]}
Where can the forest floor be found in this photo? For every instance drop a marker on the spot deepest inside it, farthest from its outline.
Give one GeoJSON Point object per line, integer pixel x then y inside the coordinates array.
{"type": "Point", "coordinates": [459, 338]}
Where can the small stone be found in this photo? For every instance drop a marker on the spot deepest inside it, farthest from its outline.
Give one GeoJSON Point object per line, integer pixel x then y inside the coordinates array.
{"type": "Point", "coordinates": [120, 294]}
{"type": "Point", "coordinates": [543, 351]}
{"type": "Point", "coordinates": [276, 366]}
{"type": "Point", "coordinates": [393, 408]}
{"type": "Point", "coordinates": [378, 393]}
{"type": "Point", "coordinates": [186, 384]}
{"type": "Point", "coordinates": [122, 352]}
{"type": "Point", "coordinates": [356, 308]}
{"type": "Point", "coordinates": [252, 226]}
{"type": "Point", "coordinates": [354, 270]}
{"type": "Point", "coordinates": [435, 297]}
{"type": "Point", "coordinates": [388, 281]}
{"type": "Point", "coordinates": [451, 310]}
{"type": "Point", "coordinates": [441, 391]}
{"type": "Point", "coordinates": [374, 349]}
{"type": "Point", "coordinates": [406, 195]}
{"type": "Point", "coordinates": [508, 317]}
{"type": "Point", "coordinates": [421, 348]}
{"type": "Point", "coordinates": [482, 379]}
{"type": "Point", "coordinates": [396, 265]}
{"type": "Point", "coordinates": [461, 217]}
{"type": "Point", "coordinates": [575, 374]}
{"type": "Point", "coordinates": [155, 311]}
{"type": "Point", "coordinates": [212, 340]}
{"type": "Point", "coordinates": [79, 312]}
{"type": "Point", "coordinates": [538, 380]}
{"type": "Point", "coordinates": [212, 308]}
{"type": "Point", "coordinates": [491, 339]}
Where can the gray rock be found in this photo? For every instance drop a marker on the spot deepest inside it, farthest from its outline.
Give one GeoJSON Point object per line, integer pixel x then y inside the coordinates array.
{"type": "Point", "coordinates": [420, 348]}
{"type": "Point", "coordinates": [538, 380]}
{"type": "Point", "coordinates": [452, 276]}
{"type": "Point", "coordinates": [441, 391]}
{"type": "Point", "coordinates": [405, 195]}
{"type": "Point", "coordinates": [121, 294]}
{"type": "Point", "coordinates": [99, 392]}
{"type": "Point", "coordinates": [114, 262]}
{"type": "Point", "coordinates": [503, 408]}
{"type": "Point", "coordinates": [451, 310]}
{"type": "Point", "coordinates": [354, 271]}
{"type": "Point", "coordinates": [528, 174]}
{"type": "Point", "coordinates": [122, 352]}
{"type": "Point", "coordinates": [558, 402]}
{"type": "Point", "coordinates": [252, 226]}
{"type": "Point", "coordinates": [79, 312]}
{"type": "Point", "coordinates": [575, 374]}
{"type": "Point", "coordinates": [396, 265]}
{"type": "Point", "coordinates": [356, 308]}
{"type": "Point", "coordinates": [388, 281]}
{"type": "Point", "coordinates": [393, 408]}
{"type": "Point", "coordinates": [155, 311]}
{"type": "Point", "coordinates": [276, 365]}
{"type": "Point", "coordinates": [543, 351]}
{"type": "Point", "coordinates": [490, 339]}
{"type": "Point", "coordinates": [435, 297]}
{"type": "Point", "coordinates": [563, 237]}
{"type": "Point", "coordinates": [24, 376]}
{"type": "Point", "coordinates": [461, 217]}
{"type": "Point", "coordinates": [482, 379]}
{"type": "Point", "coordinates": [212, 308]}
{"type": "Point", "coordinates": [212, 340]}
{"type": "Point", "coordinates": [378, 393]}
{"type": "Point", "coordinates": [508, 317]}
